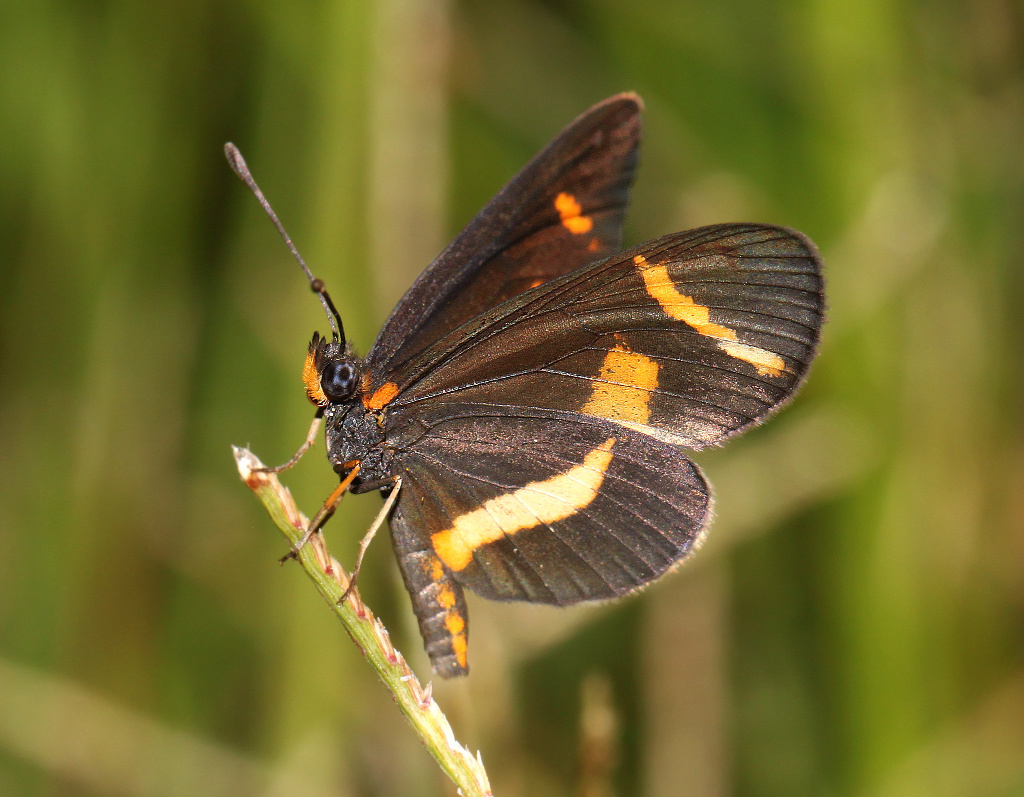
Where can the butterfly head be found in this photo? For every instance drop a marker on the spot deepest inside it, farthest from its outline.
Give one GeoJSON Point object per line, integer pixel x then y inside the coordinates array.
{"type": "Point", "coordinates": [331, 373]}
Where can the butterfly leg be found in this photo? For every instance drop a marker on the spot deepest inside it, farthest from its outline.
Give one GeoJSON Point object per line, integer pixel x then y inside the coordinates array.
{"type": "Point", "coordinates": [365, 542]}
{"type": "Point", "coordinates": [324, 514]}
{"type": "Point", "coordinates": [310, 439]}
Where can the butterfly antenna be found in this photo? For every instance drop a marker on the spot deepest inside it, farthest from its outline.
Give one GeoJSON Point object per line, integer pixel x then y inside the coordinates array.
{"type": "Point", "coordinates": [242, 170]}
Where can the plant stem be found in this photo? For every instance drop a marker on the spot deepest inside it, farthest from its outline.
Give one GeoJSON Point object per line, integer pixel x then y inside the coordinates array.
{"type": "Point", "coordinates": [414, 700]}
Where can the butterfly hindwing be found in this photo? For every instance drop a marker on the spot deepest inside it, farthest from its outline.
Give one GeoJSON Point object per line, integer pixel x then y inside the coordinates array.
{"type": "Point", "coordinates": [562, 211]}
{"type": "Point", "coordinates": [689, 338]}
{"type": "Point", "coordinates": [536, 506]}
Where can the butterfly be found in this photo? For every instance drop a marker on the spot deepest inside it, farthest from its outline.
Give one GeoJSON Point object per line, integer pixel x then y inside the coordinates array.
{"type": "Point", "coordinates": [527, 406]}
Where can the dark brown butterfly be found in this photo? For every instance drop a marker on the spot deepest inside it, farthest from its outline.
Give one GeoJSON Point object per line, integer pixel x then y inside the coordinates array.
{"type": "Point", "coordinates": [527, 405]}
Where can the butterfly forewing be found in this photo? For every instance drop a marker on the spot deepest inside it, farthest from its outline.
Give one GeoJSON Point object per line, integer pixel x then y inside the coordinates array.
{"type": "Point", "coordinates": [562, 211]}
{"type": "Point", "coordinates": [689, 338]}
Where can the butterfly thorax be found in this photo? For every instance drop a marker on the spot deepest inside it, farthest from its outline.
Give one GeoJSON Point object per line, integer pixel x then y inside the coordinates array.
{"type": "Point", "coordinates": [353, 435]}
{"type": "Point", "coordinates": [336, 381]}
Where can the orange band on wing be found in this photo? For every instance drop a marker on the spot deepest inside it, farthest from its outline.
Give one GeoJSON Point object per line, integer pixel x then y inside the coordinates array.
{"type": "Point", "coordinates": [660, 287]}
{"type": "Point", "coordinates": [536, 504]}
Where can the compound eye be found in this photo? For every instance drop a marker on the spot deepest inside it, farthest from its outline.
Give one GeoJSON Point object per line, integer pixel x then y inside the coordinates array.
{"type": "Point", "coordinates": [338, 381]}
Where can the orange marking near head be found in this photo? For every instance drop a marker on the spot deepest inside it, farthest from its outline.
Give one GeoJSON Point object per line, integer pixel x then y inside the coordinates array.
{"type": "Point", "coordinates": [381, 396]}
{"type": "Point", "coordinates": [660, 287]}
{"type": "Point", "coordinates": [536, 504]}
{"type": "Point", "coordinates": [571, 212]}
{"type": "Point", "coordinates": [311, 379]}
{"type": "Point", "coordinates": [623, 389]}
{"type": "Point", "coordinates": [594, 245]}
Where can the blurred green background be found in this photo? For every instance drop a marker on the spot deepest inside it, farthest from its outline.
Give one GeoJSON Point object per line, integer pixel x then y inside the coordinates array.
{"type": "Point", "coordinates": [855, 624]}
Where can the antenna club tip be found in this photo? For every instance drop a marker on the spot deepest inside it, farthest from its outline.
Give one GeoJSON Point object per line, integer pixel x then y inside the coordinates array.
{"type": "Point", "coordinates": [317, 285]}
{"type": "Point", "coordinates": [236, 160]}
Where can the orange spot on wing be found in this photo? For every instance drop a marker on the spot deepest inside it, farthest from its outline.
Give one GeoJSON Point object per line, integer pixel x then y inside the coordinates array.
{"type": "Point", "coordinates": [571, 213]}
{"type": "Point", "coordinates": [381, 396]}
{"type": "Point", "coordinates": [594, 245]}
{"type": "Point", "coordinates": [623, 388]}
